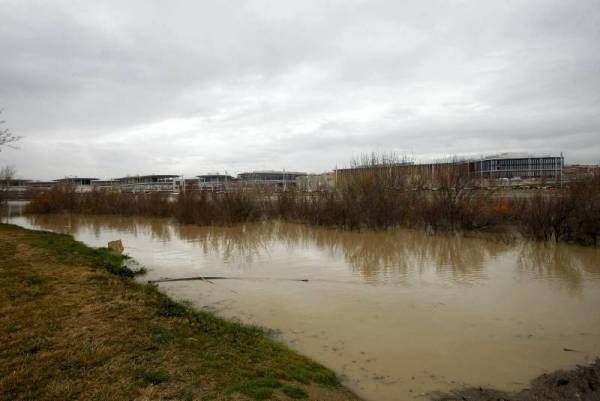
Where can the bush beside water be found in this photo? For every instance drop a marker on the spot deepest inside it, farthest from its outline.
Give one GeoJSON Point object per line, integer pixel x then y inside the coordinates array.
{"type": "Point", "coordinates": [377, 195]}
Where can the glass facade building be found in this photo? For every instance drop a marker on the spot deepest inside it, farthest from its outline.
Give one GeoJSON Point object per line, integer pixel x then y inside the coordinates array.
{"type": "Point", "coordinates": [518, 166]}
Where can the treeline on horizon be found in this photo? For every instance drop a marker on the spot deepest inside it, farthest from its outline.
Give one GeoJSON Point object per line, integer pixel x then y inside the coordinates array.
{"type": "Point", "coordinates": [375, 196]}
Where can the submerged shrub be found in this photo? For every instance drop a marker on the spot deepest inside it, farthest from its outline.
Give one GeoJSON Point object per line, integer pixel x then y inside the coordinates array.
{"type": "Point", "coordinates": [571, 213]}
{"type": "Point", "coordinates": [377, 192]}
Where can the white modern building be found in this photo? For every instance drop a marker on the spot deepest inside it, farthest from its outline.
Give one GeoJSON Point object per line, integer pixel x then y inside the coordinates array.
{"type": "Point", "coordinates": [151, 183]}
{"type": "Point", "coordinates": [81, 184]}
{"type": "Point", "coordinates": [277, 179]}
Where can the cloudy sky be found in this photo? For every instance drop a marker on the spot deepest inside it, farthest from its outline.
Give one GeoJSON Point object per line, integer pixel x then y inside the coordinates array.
{"type": "Point", "coordinates": [110, 88]}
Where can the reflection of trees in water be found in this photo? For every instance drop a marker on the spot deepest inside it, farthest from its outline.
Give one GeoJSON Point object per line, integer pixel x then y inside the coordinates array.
{"type": "Point", "coordinates": [569, 264]}
{"type": "Point", "coordinates": [375, 255]}
{"type": "Point", "coordinates": [396, 253]}
{"type": "Point", "coordinates": [243, 242]}
{"type": "Point", "coordinates": [75, 223]}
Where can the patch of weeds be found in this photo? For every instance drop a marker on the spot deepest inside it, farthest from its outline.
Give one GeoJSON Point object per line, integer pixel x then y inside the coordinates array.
{"type": "Point", "coordinates": [153, 376]}
{"type": "Point", "coordinates": [161, 335]}
{"type": "Point", "coordinates": [294, 392]}
{"type": "Point", "coordinates": [169, 308]}
{"type": "Point", "coordinates": [315, 373]}
{"type": "Point", "coordinates": [260, 389]}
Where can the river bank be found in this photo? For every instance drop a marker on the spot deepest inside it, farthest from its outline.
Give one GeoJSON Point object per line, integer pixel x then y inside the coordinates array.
{"type": "Point", "coordinates": [579, 383]}
{"type": "Point", "coordinates": [76, 326]}
{"type": "Point", "coordinates": [391, 312]}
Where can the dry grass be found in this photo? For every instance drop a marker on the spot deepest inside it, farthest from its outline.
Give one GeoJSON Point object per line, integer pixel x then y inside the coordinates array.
{"type": "Point", "coordinates": [72, 329]}
{"type": "Point", "coordinates": [571, 213]}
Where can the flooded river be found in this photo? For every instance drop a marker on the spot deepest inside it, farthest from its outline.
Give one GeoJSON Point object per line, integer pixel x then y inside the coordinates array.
{"type": "Point", "coordinates": [396, 314]}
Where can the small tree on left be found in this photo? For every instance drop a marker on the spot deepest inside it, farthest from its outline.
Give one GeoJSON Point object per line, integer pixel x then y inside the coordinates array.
{"type": "Point", "coordinates": [7, 173]}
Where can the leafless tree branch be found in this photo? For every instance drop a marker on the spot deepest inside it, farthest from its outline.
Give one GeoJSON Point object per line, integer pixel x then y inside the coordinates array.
{"type": "Point", "coordinates": [7, 138]}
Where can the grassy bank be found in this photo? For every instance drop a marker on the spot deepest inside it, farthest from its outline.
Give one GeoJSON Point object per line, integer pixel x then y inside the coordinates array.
{"type": "Point", "coordinates": [75, 325]}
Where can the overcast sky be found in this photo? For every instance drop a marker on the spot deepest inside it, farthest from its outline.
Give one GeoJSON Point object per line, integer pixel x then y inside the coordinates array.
{"type": "Point", "coordinates": [111, 88]}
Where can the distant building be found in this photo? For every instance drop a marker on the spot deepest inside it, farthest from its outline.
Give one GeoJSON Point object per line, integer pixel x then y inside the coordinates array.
{"type": "Point", "coordinates": [215, 182]}
{"type": "Point", "coordinates": [518, 165]}
{"type": "Point", "coordinates": [13, 189]}
{"type": "Point", "coordinates": [275, 179]}
{"type": "Point", "coordinates": [16, 185]}
{"type": "Point", "coordinates": [316, 182]}
{"type": "Point", "coordinates": [505, 166]}
{"type": "Point", "coordinates": [41, 186]}
{"type": "Point", "coordinates": [106, 185]}
{"type": "Point", "coordinates": [190, 184]}
{"type": "Point", "coordinates": [151, 183]}
{"type": "Point", "coordinates": [81, 184]}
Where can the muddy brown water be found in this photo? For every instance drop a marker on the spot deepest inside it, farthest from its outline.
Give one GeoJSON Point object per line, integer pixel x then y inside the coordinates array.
{"type": "Point", "coordinates": [396, 314]}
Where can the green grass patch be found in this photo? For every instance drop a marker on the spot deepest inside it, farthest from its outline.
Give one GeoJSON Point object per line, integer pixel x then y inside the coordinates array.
{"type": "Point", "coordinates": [69, 251]}
{"type": "Point", "coordinates": [311, 373]}
{"type": "Point", "coordinates": [260, 389]}
{"type": "Point", "coordinates": [294, 392]}
{"type": "Point", "coordinates": [169, 308]}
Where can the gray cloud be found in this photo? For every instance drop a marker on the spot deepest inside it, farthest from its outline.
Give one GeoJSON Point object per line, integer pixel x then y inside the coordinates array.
{"type": "Point", "coordinates": [111, 88]}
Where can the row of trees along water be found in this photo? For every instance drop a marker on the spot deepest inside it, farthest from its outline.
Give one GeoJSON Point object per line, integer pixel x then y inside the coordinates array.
{"type": "Point", "coordinates": [379, 192]}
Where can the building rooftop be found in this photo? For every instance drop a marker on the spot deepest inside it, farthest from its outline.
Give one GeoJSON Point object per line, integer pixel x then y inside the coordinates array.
{"type": "Point", "coordinates": [274, 172]}
{"type": "Point", "coordinates": [159, 176]}
{"type": "Point", "coordinates": [514, 155]}
{"type": "Point", "coordinates": [70, 179]}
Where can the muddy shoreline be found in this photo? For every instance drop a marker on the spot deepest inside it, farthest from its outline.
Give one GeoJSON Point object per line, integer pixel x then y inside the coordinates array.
{"type": "Point", "coordinates": [580, 383]}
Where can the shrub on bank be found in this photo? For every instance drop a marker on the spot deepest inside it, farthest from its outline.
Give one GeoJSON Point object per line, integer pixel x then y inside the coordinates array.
{"type": "Point", "coordinates": [206, 208]}
{"type": "Point", "coordinates": [570, 214]}
{"type": "Point", "coordinates": [375, 196]}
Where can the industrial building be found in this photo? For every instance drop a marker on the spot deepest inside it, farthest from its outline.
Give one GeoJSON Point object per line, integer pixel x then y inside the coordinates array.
{"type": "Point", "coordinates": [215, 182]}
{"type": "Point", "coordinates": [502, 168]}
{"type": "Point", "coordinates": [106, 185]}
{"type": "Point", "coordinates": [151, 183]}
{"type": "Point", "coordinates": [518, 165]}
{"type": "Point", "coordinates": [16, 185]}
{"type": "Point", "coordinates": [81, 184]}
{"type": "Point", "coordinates": [276, 179]}
{"type": "Point", "coordinates": [40, 186]}
{"type": "Point", "coordinates": [316, 182]}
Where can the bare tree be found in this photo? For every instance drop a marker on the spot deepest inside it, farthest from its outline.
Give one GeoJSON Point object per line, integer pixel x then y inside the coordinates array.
{"type": "Point", "coordinates": [7, 174]}
{"type": "Point", "coordinates": [6, 137]}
